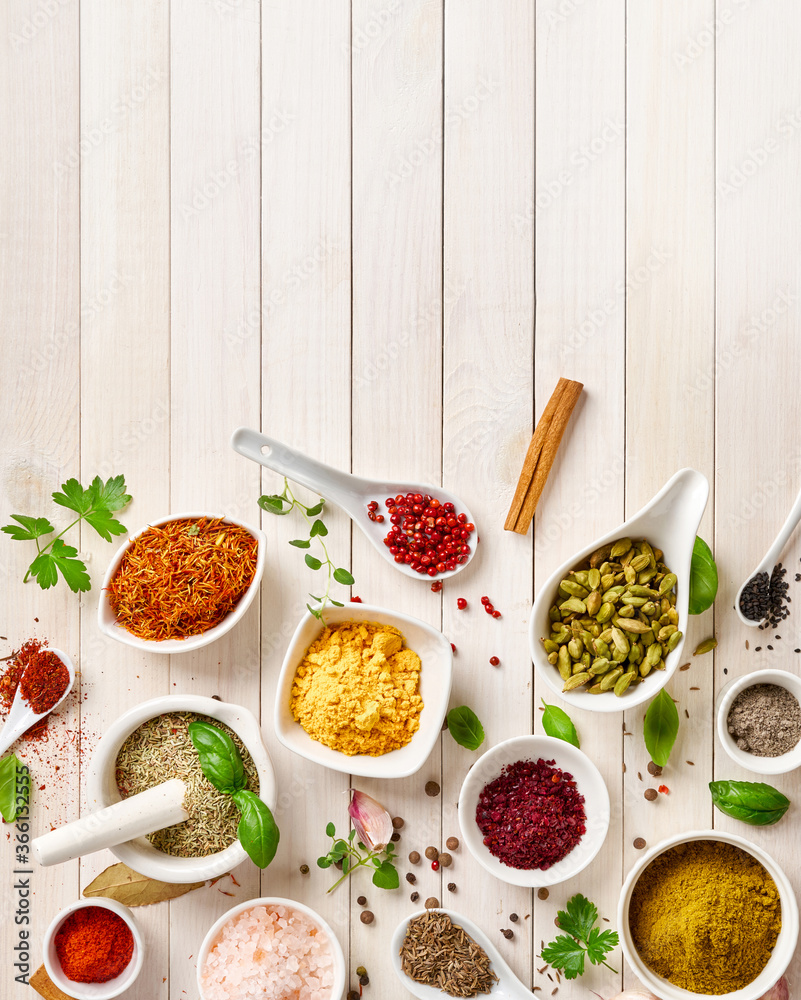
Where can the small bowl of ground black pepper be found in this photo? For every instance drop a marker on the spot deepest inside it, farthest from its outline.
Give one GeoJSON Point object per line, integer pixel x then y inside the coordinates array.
{"type": "Point", "coordinates": [534, 811]}
{"type": "Point", "coordinates": [759, 721]}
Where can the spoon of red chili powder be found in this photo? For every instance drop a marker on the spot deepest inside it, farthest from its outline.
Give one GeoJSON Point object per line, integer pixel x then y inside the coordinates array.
{"type": "Point", "coordinates": [46, 682]}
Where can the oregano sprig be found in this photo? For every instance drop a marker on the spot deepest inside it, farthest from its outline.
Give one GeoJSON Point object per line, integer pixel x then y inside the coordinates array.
{"type": "Point", "coordinates": [283, 503]}
{"type": "Point", "coordinates": [95, 505]}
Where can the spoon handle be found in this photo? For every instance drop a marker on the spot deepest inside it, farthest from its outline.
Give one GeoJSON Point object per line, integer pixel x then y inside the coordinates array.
{"type": "Point", "coordinates": [786, 530]}
{"type": "Point", "coordinates": [316, 476]}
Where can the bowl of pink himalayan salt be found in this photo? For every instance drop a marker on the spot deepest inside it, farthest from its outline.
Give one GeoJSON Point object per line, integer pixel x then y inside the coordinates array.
{"type": "Point", "coordinates": [270, 947]}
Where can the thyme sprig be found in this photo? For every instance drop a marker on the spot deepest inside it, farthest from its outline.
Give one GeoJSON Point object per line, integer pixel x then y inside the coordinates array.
{"type": "Point", "coordinates": [283, 503]}
{"type": "Point", "coordinates": [357, 855]}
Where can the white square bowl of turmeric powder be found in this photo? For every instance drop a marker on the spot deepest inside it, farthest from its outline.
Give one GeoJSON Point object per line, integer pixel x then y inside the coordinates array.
{"type": "Point", "coordinates": [364, 691]}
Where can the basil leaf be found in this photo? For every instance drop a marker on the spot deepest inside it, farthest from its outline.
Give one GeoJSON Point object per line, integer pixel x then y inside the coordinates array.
{"type": "Point", "coordinates": [257, 830]}
{"type": "Point", "coordinates": [660, 728]}
{"type": "Point", "coordinates": [344, 577]}
{"type": "Point", "coordinates": [386, 876]}
{"type": "Point", "coordinates": [558, 724]}
{"type": "Point", "coordinates": [752, 802]}
{"type": "Point", "coordinates": [703, 578]}
{"type": "Point", "coordinates": [219, 757]}
{"type": "Point", "coordinates": [465, 728]}
{"type": "Point", "coordinates": [15, 786]}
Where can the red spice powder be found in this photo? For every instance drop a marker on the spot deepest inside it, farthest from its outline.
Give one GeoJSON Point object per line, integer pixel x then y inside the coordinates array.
{"type": "Point", "coordinates": [10, 680]}
{"type": "Point", "coordinates": [532, 815]}
{"type": "Point", "coordinates": [44, 681]}
{"type": "Point", "coordinates": [93, 945]}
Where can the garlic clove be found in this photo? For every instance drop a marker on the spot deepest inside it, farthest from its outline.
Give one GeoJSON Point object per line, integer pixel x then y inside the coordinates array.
{"type": "Point", "coordinates": [373, 824]}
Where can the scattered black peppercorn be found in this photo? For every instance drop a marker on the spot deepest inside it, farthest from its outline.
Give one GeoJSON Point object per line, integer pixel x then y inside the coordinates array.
{"type": "Point", "coordinates": [353, 995]}
{"type": "Point", "coordinates": [304, 869]}
{"type": "Point", "coordinates": [395, 837]}
{"type": "Point", "coordinates": [542, 893]}
{"type": "Point", "coordinates": [508, 933]}
{"type": "Point", "coordinates": [411, 878]}
{"type": "Point", "coordinates": [364, 980]}
{"type": "Point", "coordinates": [432, 788]}
{"type": "Point", "coordinates": [451, 887]}
{"type": "Point", "coordinates": [639, 843]}
{"type": "Point", "coordinates": [654, 769]}
{"type": "Point", "coordinates": [397, 823]}
{"type": "Point", "coordinates": [514, 917]}
{"type": "Point", "coordinates": [362, 901]}
{"type": "Point", "coordinates": [414, 897]}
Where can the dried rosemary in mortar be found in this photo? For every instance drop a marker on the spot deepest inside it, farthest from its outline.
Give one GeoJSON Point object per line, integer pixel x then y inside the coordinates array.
{"type": "Point", "coordinates": [161, 749]}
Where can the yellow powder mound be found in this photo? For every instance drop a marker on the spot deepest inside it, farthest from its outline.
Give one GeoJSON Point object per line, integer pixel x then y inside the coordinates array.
{"type": "Point", "coordinates": [356, 689]}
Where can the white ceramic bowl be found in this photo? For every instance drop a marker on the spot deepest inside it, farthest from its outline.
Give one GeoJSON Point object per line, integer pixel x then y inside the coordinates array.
{"type": "Point", "coordinates": [590, 784]}
{"type": "Point", "coordinates": [436, 658]}
{"type": "Point", "coordinates": [669, 522]}
{"type": "Point", "coordinates": [140, 854]}
{"type": "Point", "coordinates": [93, 991]}
{"type": "Point", "coordinates": [216, 927]}
{"type": "Point", "coordinates": [780, 957]}
{"type": "Point", "coordinates": [106, 618]}
{"type": "Point", "coordinates": [759, 765]}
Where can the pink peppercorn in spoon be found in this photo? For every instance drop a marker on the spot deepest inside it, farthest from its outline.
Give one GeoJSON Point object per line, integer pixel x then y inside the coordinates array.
{"type": "Point", "coordinates": [410, 525]}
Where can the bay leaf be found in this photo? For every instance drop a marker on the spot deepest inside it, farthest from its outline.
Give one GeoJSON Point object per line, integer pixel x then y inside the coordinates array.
{"type": "Point", "coordinates": [45, 987]}
{"type": "Point", "coordinates": [129, 887]}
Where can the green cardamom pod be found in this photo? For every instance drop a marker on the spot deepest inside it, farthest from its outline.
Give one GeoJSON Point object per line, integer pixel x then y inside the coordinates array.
{"type": "Point", "coordinates": [563, 662]}
{"type": "Point", "coordinates": [619, 548]}
{"type": "Point", "coordinates": [673, 641]}
{"type": "Point", "coordinates": [576, 681]}
{"type": "Point", "coordinates": [620, 641]}
{"type": "Point", "coordinates": [623, 683]}
{"type": "Point", "coordinates": [609, 680]}
{"type": "Point", "coordinates": [573, 604]}
{"type": "Point", "coordinates": [705, 647]}
{"type": "Point", "coordinates": [667, 584]}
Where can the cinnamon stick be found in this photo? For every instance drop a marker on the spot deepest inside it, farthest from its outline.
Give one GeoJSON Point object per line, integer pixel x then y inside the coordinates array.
{"type": "Point", "coordinates": [45, 987]}
{"type": "Point", "coordinates": [541, 454]}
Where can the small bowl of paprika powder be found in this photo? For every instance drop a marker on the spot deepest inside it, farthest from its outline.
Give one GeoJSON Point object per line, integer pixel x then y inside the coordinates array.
{"type": "Point", "coordinates": [93, 949]}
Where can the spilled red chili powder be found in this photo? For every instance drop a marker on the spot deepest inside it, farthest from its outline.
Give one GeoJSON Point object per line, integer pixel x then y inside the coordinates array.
{"type": "Point", "coordinates": [10, 681]}
{"type": "Point", "coordinates": [532, 815]}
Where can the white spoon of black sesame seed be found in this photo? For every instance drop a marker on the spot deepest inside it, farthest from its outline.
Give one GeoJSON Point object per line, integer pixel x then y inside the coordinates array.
{"type": "Point", "coordinates": [764, 592]}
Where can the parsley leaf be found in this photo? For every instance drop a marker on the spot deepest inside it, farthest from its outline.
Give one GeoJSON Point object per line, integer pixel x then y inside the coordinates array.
{"type": "Point", "coordinates": [578, 918]}
{"type": "Point", "coordinates": [32, 527]}
{"type": "Point", "coordinates": [96, 505]}
{"type": "Point", "coordinates": [567, 951]}
{"type": "Point", "coordinates": [565, 954]}
{"type": "Point", "coordinates": [60, 557]}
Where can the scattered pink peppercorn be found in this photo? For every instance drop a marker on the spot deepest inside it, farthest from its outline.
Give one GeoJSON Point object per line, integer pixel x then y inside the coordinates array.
{"type": "Point", "coordinates": [494, 661]}
{"type": "Point", "coordinates": [664, 789]}
{"type": "Point", "coordinates": [461, 603]}
{"type": "Point", "coordinates": [453, 647]}
{"type": "Point", "coordinates": [435, 866]}
{"type": "Point", "coordinates": [436, 586]}
{"type": "Point", "coordinates": [485, 600]}
{"type": "Point", "coordinates": [355, 600]}
{"type": "Point", "coordinates": [496, 614]}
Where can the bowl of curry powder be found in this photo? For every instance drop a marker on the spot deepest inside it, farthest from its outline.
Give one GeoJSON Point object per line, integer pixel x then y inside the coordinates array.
{"type": "Point", "coordinates": [708, 914]}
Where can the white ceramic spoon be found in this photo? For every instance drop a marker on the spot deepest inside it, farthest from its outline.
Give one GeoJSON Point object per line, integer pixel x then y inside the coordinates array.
{"type": "Point", "coordinates": [22, 717]}
{"type": "Point", "coordinates": [771, 557]}
{"type": "Point", "coordinates": [669, 521]}
{"type": "Point", "coordinates": [351, 493]}
{"type": "Point", "coordinates": [508, 986]}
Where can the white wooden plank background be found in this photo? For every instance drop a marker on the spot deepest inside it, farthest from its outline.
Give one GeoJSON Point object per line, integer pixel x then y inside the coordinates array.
{"type": "Point", "coordinates": [381, 230]}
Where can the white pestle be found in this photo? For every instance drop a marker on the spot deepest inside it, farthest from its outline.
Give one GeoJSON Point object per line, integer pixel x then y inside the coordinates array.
{"type": "Point", "coordinates": [155, 809]}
